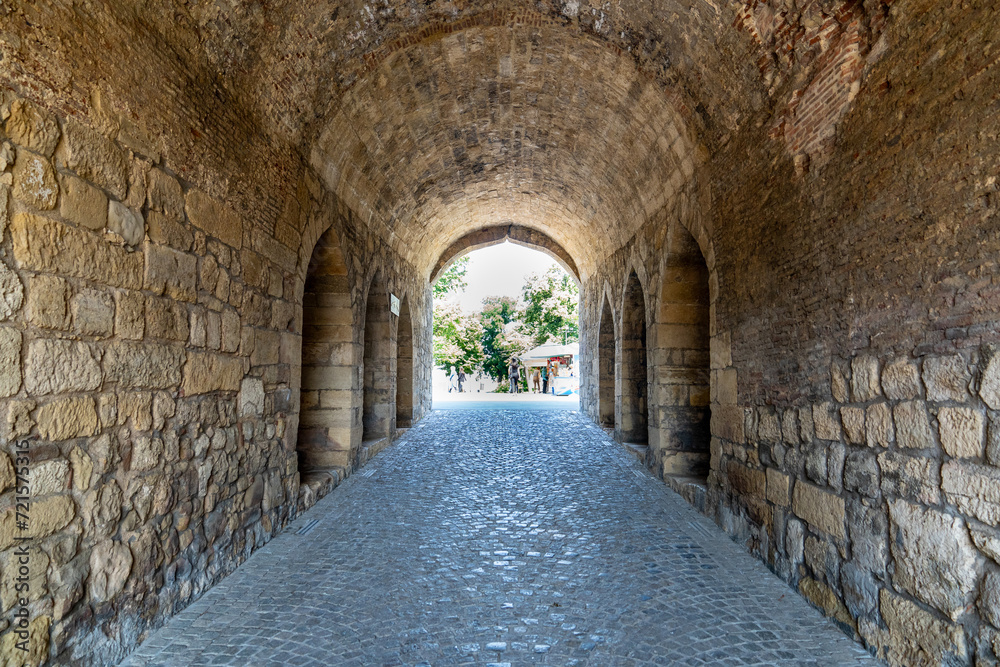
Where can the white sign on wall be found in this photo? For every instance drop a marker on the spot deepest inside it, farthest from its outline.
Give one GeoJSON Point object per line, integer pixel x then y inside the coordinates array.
{"type": "Point", "coordinates": [394, 304]}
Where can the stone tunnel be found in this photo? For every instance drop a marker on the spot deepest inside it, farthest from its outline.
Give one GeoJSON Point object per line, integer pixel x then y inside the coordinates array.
{"type": "Point", "coordinates": [220, 222]}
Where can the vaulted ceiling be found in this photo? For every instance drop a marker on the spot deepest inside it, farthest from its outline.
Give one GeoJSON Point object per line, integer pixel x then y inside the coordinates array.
{"type": "Point", "coordinates": [435, 118]}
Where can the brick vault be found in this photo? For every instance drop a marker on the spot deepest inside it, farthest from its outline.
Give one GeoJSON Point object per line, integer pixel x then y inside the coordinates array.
{"type": "Point", "coordinates": [783, 215]}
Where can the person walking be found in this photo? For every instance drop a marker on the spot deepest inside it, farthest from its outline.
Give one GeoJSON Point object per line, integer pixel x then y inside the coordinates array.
{"type": "Point", "coordinates": [514, 375]}
{"type": "Point", "coordinates": [461, 380]}
{"type": "Point", "coordinates": [552, 377]}
{"type": "Point", "coordinates": [536, 380]}
{"type": "Point", "coordinates": [452, 377]}
{"type": "Point", "coordinates": [545, 378]}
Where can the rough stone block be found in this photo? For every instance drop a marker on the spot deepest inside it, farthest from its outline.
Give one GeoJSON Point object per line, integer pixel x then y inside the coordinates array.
{"type": "Point", "coordinates": [143, 365]}
{"type": "Point", "coordinates": [913, 428]}
{"type": "Point", "coordinates": [821, 509]}
{"type": "Point", "coordinates": [147, 452]}
{"type": "Point", "coordinates": [164, 194]}
{"type": "Point", "coordinates": [901, 380]}
{"type": "Point", "coordinates": [726, 386]}
{"type": "Point", "coordinates": [167, 319]}
{"type": "Point", "coordinates": [46, 245]}
{"type": "Point", "coordinates": [10, 361]}
{"type": "Point", "coordinates": [267, 347]}
{"type": "Point", "coordinates": [826, 599]}
{"type": "Point", "coordinates": [839, 383]}
{"type": "Point", "coordinates": [861, 473]}
{"type": "Point", "coordinates": [7, 477]}
{"type": "Point", "coordinates": [989, 384]}
{"type": "Point", "coordinates": [974, 489]}
{"type": "Point", "coordinates": [82, 203]}
{"type": "Point", "coordinates": [915, 636]}
{"type": "Point", "coordinates": [130, 320]}
{"type": "Point", "coordinates": [962, 431]}
{"type": "Point", "coordinates": [167, 231]}
{"type": "Point", "coordinates": [126, 223]}
{"type": "Point", "coordinates": [914, 477]}
{"type": "Point", "coordinates": [67, 418]}
{"type": "Point", "coordinates": [826, 423]}
{"type": "Point", "coordinates": [35, 182]}
{"type": "Point", "coordinates": [746, 481]}
{"type": "Point", "coordinates": [32, 127]}
{"type": "Point", "coordinates": [48, 515]}
{"type": "Point", "coordinates": [58, 366]}
{"type": "Point", "coordinates": [869, 528]}
{"type": "Point", "coordinates": [251, 397]}
{"type": "Point", "coordinates": [778, 488]}
{"type": "Point", "coordinates": [728, 423]}
{"type": "Point", "coordinates": [171, 272]}
{"type": "Point", "coordinates": [924, 540]}
{"type": "Point", "coordinates": [49, 477]}
{"type": "Point", "coordinates": [989, 598]}
{"type": "Point", "coordinates": [94, 157]}
{"type": "Point", "coordinates": [214, 218]}
{"type": "Point", "coordinates": [231, 330]}
{"type": "Point", "coordinates": [864, 379]}
{"type": "Point", "coordinates": [93, 313]}
{"type": "Point", "coordinates": [879, 429]}
{"type": "Point", "coordinates": [11, 292]}
{"type": "Point", "coordinates": [48, 298]}
{"type": "Point", "coordinates": [854, 424]}
{"type": "Point", "coordinates": [110, 565]}
{"type": "Point", "coordinates": [947, 378]}
{"type": "Point", "coordinates": [205, 372]}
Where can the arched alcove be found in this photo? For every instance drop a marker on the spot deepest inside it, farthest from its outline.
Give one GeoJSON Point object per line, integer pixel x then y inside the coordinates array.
{"type": "Point", "coordinates": [404, 367]}
{"type": "Point", "coordinates": [633, 425]}
{"type": "Point", "coordinates": [606, 365]}
{"type": "Point", "coordinates": [328, 358]}
{"type": "Point", "coordinates": [379, 361]}
{"type": "Point", "coordinates": [682, 355]}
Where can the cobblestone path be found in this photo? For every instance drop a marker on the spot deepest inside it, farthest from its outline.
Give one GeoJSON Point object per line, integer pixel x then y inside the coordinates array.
{"type": "Point", "coordinates": [501, 538]}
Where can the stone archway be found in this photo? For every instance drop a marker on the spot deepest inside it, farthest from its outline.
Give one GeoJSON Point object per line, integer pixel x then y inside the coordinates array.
{"type": "Point", "coordinates": [682, 374]}
{"type": "Point", "coordinates": [633, 426]}
{"type": "Point", "coordinates": [377, 403]}
{"type": "Point", "coordinates": [404, 367]}
{"type": "Point", "coordinates": [606, 358]}
{"type": "Point", "coordinates": [328, 379]}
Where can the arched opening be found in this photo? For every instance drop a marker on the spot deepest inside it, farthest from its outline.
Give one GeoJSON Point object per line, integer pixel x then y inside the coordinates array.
{"type": "Point", "coordinates": [606, 366]}
{"type": "Point", "coordinates": [404, 367]}
{"type": "Point", "coordinates": [633, 426]}
{"type": "Point", "coordinates": [326, 419]}
{"type": "Point", "coordinates": [682, 370]}
{"type": "Point", "coordinates": [377, 405]}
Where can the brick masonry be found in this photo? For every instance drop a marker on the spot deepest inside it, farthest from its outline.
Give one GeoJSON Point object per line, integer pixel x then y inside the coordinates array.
{"type": "Point", "coordinates": [823, 366]}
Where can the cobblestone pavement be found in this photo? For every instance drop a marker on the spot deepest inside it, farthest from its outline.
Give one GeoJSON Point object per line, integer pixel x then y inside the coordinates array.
{"type": "Point", "coordinates": [501, 538]}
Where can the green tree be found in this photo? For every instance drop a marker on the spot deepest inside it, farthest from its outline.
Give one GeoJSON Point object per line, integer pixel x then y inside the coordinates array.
{"type": "Point", "coordinates": [500, 323]}
{"type": "Point", "coordinates": [453, 278]}
{"type": "Point", "coordinates": [552, 307]}
{"type": "Point", "coordinates": [457, 338]}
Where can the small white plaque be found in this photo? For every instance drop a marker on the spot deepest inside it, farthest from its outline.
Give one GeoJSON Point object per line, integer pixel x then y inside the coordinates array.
{"type": "Point", "coordinates": [394, 304]}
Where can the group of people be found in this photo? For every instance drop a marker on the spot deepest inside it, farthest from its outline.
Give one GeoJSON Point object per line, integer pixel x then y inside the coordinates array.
{"type": "Point", "coordinates": [540, 376]}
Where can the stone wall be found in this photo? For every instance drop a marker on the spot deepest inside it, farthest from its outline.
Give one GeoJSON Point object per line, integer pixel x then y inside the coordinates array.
{"type": "Point", "coordinates": [150, 362]}
{"type": "Point", "coordinates": [853, 330]}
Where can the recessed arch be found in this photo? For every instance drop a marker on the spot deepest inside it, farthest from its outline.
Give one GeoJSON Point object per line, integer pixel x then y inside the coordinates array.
{"type": "Point", "coordinates": [328, 358]}
{"type": "Point", "coordinates": [682, 374]}
{"type": "Point", "coordinates": [517, 234]}
{"type": "Point", "coordinates": [606, 363]}
{"type": "Point", "coordinates": [404, 366]}
{"type": "Point", "coordinates": [378, 363]}
{"type": "Point", "coordinates": [633, 424]}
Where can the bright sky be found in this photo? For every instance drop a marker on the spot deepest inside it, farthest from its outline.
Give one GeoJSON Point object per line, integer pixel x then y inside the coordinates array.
{"type": "Point", "coordinates": [500, 270]}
